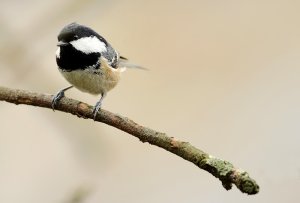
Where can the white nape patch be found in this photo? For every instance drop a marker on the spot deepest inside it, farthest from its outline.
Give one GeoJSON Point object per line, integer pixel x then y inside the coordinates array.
{"type": "Point", "coordinates": [89, 45]}
{"type": "Point", "coordinates": [57, 53]}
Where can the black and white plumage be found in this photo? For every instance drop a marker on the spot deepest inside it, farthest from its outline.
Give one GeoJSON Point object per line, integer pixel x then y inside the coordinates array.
{"type": "Point", "coordinates": [88, 62]}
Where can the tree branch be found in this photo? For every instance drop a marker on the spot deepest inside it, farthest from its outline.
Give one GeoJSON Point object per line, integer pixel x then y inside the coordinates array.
{"type": "Point", "coordinates": [221, 169]}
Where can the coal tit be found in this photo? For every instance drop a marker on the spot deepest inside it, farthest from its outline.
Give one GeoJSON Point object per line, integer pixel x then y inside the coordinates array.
{"type": "Point", "coordinates": [88, 62]}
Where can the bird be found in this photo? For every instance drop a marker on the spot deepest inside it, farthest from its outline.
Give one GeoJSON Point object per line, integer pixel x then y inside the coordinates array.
{"type": "Point", "coordinates": [88, 62]}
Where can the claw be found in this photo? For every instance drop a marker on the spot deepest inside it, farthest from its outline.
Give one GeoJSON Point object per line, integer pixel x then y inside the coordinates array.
{"type": "Point", "coordinates": [58, 96]}
{"type": "Point", "coordinates": [56, 99]}
{"type": "Point", "coordinates": [97, 106]}
{"type": "Point", "coordinates": [96, 109]}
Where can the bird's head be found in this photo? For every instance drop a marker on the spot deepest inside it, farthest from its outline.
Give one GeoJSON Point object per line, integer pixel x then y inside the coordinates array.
{"type": "Point", "coordinates": [79, 47]}
{"type": "Point", "coordinates": [82, 38]}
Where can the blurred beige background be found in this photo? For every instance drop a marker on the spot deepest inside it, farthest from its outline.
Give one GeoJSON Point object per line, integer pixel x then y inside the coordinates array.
{"type": "Point", "coordinates": [224, 75]}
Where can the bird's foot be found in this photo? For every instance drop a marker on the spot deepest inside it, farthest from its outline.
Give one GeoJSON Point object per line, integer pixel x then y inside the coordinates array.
{"type": "Point", "coordinates": [96, 108]}
{"type": "Point", "coordinates": [58, 96]}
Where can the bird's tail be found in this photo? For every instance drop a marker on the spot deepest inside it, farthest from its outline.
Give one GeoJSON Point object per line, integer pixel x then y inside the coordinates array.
{"type": "Point", "coordinates": [124, 63]}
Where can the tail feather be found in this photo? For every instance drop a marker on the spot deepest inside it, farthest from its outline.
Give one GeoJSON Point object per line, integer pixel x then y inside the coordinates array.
{"type": "Point", "coordinates": [124, 58]}
{"type": "Point", "coordinates": [124, 63]}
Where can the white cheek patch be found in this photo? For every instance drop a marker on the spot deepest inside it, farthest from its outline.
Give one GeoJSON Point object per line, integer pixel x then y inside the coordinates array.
{"type": "Point", "coordinates": [89, 45]}
{"type": "Point", "coordinates": [57, 53]}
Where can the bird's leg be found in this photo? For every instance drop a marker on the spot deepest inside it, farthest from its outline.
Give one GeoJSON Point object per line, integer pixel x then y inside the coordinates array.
{"type": "Point", "coordinates": [98, 105]}
{"type": "Point", "coordinates": [57, 97]}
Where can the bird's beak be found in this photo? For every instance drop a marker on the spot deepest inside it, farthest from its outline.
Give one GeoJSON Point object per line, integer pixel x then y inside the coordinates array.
{"type": "Point", "coordinates": [61, 43]}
